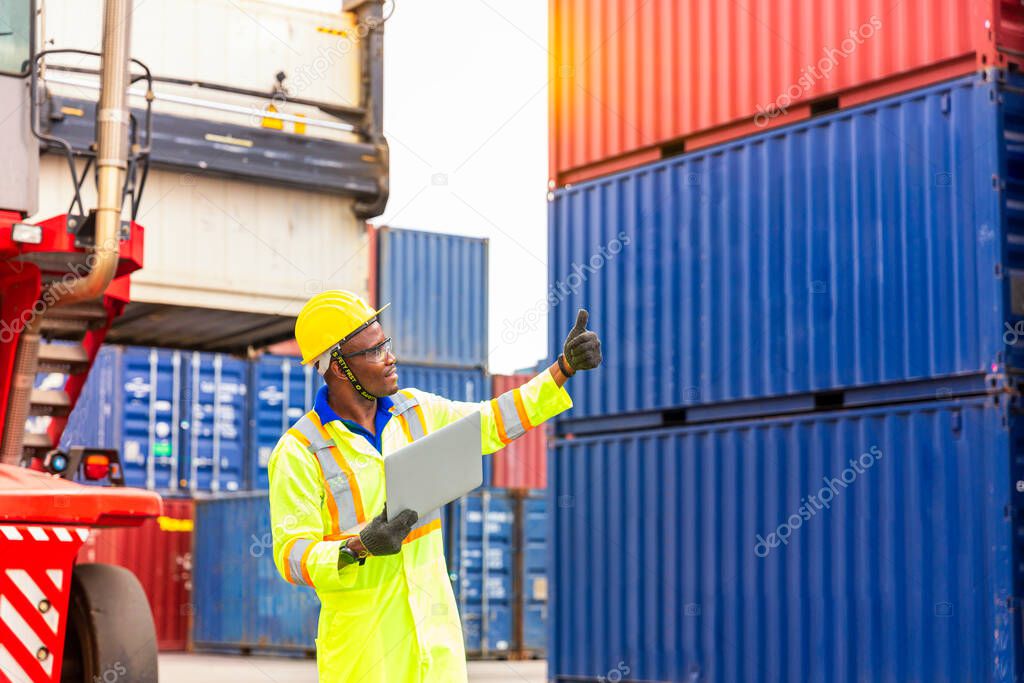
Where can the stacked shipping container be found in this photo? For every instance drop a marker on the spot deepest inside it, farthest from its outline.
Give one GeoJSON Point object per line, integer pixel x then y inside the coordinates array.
{"type": "Point", "coordinates": [178, 418]}
{"type": "Point", "coordinates": [437, 287]}
{"type": "Point", "coordinates": [523, 463]}
{"type": "Point", "coordinates": [811, 326]}
{"type": "Point", "coordinates": [496, 546]}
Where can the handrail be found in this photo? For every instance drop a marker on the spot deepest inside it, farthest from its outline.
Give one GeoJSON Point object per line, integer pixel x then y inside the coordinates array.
{"type": "Point", "coordinates": [217, 106]}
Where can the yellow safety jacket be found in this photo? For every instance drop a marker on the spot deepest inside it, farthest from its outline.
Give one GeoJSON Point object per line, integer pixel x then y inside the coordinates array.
{"type": "Point", "coordinates": [392, 619]}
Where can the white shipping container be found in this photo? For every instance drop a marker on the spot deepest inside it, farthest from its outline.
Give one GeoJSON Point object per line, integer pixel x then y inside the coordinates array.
{"type": "Point", "coordinates": [229, 244]}
{"type": "Point", "coordinates": [240, 43]}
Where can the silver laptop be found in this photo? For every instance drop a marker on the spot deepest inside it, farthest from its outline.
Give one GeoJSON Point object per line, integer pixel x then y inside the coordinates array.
{"type": "Point", "coordinates": [436, 469]}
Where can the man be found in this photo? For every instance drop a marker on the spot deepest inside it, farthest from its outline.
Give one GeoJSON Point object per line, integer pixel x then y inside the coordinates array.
{"type": "Point", "coordinates": [387, 612]}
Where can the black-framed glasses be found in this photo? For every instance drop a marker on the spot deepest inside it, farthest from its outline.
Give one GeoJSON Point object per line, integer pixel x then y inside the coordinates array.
{"type": "Point", "coordinates": [377, 354]}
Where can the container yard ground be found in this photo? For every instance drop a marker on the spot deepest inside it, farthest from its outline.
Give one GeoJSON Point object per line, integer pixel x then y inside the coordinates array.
{"type": "Point", "coordinates": [203, 668]}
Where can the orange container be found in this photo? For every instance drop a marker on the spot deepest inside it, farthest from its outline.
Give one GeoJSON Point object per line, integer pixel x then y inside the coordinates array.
{"type": "Point", "coordinates": [159, 553]}
{"type": "Point", "coordinates": [523, 464]}
{"type": "Point", "coordinates": [634, 81]}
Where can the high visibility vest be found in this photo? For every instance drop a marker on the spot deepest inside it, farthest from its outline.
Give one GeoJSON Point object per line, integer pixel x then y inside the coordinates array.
{"type": "Point", "coordinates": [341, 488]}
{"type": "Point", "coordinates": [393, 618]}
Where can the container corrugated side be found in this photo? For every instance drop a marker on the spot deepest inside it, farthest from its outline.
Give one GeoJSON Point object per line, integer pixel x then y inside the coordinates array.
{"type": "Point", "coordinates": [217, 421]}
{"type": "Point", "coordinates": [480, 538]}
{"type": "Point", "coordinates": [633, 81]}
{"type": "Point", "coordinates": [239, 43]}
{"type": "Point", "coordinates": [159, 553]}
{"type": "Point", "coordinates": [533, 530]}
{"type": "Point", "coordinates": [232, 245]}
{"type": "Point", "coordinates": [523, 463]}
{"type": "Point", "coordinates": [280, 392]}
{"type": "Point", "coordinates": [862, 248]}
{"type": "Point", "coordinates": [240, 601]}
{"type": "Point", "coordinates": [132, 401]}
{"type": "Point", "coordinates": [458, 384]}
{"type": "Point", "coordinates": [437, 287]}
{"type": "Point", "coordinates": [729, 571]}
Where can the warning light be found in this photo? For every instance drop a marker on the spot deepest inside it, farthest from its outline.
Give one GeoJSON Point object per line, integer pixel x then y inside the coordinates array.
{"type": "Point", "coordinates": [96, 467]}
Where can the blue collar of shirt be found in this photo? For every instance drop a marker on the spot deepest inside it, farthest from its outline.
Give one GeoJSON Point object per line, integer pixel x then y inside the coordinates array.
{"type": "Point", "coordinates": [326, 414]}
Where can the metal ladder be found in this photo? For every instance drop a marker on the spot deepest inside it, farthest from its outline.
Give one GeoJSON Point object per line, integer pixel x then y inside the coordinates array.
{"type": "Point", "coordinates": [68, 324]}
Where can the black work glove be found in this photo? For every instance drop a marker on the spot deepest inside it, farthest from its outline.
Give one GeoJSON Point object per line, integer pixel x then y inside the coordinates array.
{"type": "Point", "coordinates": [582, 349]}
{"type": "Point", "coordinates": [383, 537]}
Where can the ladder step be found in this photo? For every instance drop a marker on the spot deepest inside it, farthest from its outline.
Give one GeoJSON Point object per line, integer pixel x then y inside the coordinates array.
{"type": "Point", "coordinates": [70, 359]}
{"type": "Point", "coordinates": [72, 322]}
{"type": "Point", "coordinates": [71, 329]}
{"type": "Point", "coordinates": [53, 402]}
{"type": "Point", "coordinates": [93, 311]}
{"type": "Point", "coordinates": [37, 444]}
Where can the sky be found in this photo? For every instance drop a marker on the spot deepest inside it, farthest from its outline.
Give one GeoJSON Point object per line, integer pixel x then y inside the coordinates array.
{"type": "Point", "coordinates": [465, 114]}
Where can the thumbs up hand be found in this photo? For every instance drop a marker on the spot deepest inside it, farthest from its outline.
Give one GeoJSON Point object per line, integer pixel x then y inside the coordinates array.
{"type": "Point", "coordinates": [582, 349]}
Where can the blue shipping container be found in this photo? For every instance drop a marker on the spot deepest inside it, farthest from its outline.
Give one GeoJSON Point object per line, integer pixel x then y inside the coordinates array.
{"type": "Point", "coordinates": [458, 384]}
{"type": "Point", "coordinates": [534, 596]}
{"type": "Point", "coordinates": [437, 287]}
{"type": "Point", "coordinates": [132, 401]}
{"type": "Point", "coordinates": [214, 439]}
{"type": "Point", "coordinates": [872, 245]}
{"type": "Point", "coordinates": [241, 602]}
{"type": "Point", "coordinates": [281, 391]}
{"type": "Point", "coordinates": [158, 407]}
{"type": "Point", "coordinates": [480, 535]}
{"type": "Point", "coordinates": [870, 545]}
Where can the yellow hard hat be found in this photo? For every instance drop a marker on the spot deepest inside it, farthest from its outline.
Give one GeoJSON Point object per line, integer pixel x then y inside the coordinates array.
{"type": "Point", "coordinates": [329, 318]}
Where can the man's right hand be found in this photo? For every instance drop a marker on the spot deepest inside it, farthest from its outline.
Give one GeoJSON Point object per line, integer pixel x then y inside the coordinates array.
{"type": "Point", "coordinates": [383, 537]}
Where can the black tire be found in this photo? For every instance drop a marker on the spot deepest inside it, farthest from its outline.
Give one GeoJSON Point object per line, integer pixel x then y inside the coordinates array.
{"type": "Point", "coordinates": [110, 634]}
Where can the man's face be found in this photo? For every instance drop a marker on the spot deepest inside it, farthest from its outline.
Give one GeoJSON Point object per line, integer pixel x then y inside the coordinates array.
{"type": "Point", "coordinates": [378, 376]}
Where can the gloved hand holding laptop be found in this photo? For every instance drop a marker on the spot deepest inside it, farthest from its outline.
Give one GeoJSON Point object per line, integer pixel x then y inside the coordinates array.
{"type": "Point", "coordinates": [384, 537]}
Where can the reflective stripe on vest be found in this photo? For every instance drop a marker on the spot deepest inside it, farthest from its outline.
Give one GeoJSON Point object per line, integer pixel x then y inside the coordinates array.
{"type": "Point", "coordinates": [510, 416]}
{"type": "Point", "coordinates": [338, 484]}
{"type": "Point", "coordinates": [407, 408]}
{"type": "Point", "coordinates": [296, 561]}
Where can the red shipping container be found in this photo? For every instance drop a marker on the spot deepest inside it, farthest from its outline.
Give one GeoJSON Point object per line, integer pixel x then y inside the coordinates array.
{"type": "Point", "coordinates": [634, 81]}
{"type": "Point", "coordinates": [523, 464]}
{"type": "Point", "coordinates": [159, 553]}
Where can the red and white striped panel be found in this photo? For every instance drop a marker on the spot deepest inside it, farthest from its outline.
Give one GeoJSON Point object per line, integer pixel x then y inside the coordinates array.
{"type": "Point", "coordinates": [35, 580]}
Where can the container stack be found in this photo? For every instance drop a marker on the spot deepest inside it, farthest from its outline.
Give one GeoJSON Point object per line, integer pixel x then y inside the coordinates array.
{"type": "Point", "coordinates": [178, 418]}
{"type": "Point", "coordinates": [797, 462]}
{"type": "Point", "coordinates": [496, 550]}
